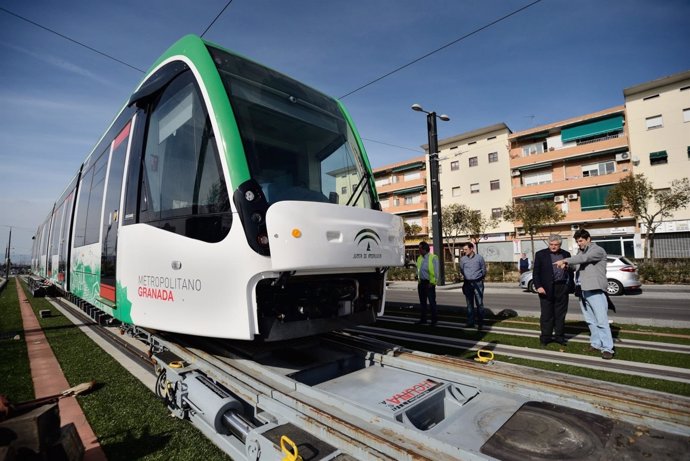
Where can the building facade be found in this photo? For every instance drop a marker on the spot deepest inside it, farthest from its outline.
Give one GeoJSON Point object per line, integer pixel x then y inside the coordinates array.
{"type": "Point", "coordinates": [573, 164]}
{"type": "Point", "coordinates": [402, 189]}
{"type": "Point", "coordinates": [474, 170]}
{"type": "Point", "coordinates": [658, 120]}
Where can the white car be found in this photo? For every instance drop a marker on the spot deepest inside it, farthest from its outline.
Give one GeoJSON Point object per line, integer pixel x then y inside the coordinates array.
{"type": "Point", "coordinates": [621, 274]}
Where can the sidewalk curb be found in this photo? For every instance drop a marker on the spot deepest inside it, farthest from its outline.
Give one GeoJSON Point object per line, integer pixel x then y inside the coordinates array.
{"type": "Point", "coordinates": [48, 379]}
{"type": "Point", "coordinates": [412, 284]}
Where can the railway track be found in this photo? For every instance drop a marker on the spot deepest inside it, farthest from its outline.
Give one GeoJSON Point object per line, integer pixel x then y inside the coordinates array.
{"type": "Point", "coordinates": [330, 392]}
{"type": "Point", "coordinates": [454, 344]}
{"type": "Point", "coordinates": [572, 338]}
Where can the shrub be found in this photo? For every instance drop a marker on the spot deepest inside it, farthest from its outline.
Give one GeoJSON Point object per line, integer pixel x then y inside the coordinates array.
{"type": "Point", "coordinates": [660, 271]}
{"type": "Point", "coordinates": [665, 271]}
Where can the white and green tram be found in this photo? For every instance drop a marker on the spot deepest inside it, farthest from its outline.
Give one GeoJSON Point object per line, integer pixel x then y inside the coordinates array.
{"type": "Point", "coordinates": [225, 200]}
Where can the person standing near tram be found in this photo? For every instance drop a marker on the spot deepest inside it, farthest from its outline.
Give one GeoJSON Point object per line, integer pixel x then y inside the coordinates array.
{"type": "Point", "coordinates": [591, 276]}
{"type": "Point", "coordinates": [427, 268]}
{"type": "Point", "coordinates": [524, 264]}
{"type": "Point", "coordinates": [553, 285]}
{"type": "Point", "coordinates": [473, 269]}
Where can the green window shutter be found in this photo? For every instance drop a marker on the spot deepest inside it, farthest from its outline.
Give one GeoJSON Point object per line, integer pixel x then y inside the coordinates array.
{"type": "Point", "coordinates": [537, 197]}
{"type": "Point", "coordinates": [408, 167]}
{"type": "Point", "coordinates": [594, 198]}
{"type": "Point", "coordinates": [658, 155]}
{"type": "Point", "coordinates": [410, 190]}
{"type": "Point", "coordinates": [591, 129]}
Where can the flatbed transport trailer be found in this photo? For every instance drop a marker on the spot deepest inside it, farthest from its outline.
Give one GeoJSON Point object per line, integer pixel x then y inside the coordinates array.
{"type": "Point", "coordinates": [342, 396]}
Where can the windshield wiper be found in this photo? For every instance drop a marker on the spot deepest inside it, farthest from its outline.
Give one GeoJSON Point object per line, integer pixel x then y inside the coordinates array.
{"type": "Point", "coordinates": [357, 191]}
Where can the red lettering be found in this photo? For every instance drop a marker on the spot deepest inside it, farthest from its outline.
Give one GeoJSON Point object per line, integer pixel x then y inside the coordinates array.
{"type": "Point", "coordinates": [156, 293]}
{"type": "Point", "coordinates": [395, 400]}
{"type": "Point", "coordinates": [410, 393]}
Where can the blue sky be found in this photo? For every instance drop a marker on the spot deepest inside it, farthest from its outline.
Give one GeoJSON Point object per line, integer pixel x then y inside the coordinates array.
{"type": "Point", "coordinates": [556, 59]}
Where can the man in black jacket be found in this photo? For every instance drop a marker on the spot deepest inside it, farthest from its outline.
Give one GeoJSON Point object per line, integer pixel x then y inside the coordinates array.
{"type": "Point", "coordinates": [553, 285]}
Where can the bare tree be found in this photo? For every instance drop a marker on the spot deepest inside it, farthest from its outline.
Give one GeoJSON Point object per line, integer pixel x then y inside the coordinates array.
{"type": "Point", "coordinates": [534, 215]}
{"type": "Point", "coordinates": [635, 194]}
{"type": "Point", "coordinates": [459, 221]}
{"type": "Point", "coordinates": [452, 225]}
{"type": "Point", "coordinates": [475, 224]}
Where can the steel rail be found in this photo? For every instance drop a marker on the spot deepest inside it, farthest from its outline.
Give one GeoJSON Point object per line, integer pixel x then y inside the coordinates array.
{"type": "Point", "coordinates": [261, 393]}
{"type": "Point", "coordinates": [668, 373]}
{"type": "Point", "coordinates": [319, 414]}
{"type": "Point", "coordinates": [636, 405]}
{"type": "Point", "coordinates": [364, 434]}
{"type": "Point", "coordinates": [627, 343]}
{"type": "Point", "coordinates": [115, 340]}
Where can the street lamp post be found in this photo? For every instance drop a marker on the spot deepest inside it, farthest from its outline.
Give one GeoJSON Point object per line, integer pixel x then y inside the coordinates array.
{"type": "Point", "coordinates": [7, 259]}
{"type": "Point", "coordinates": [435, 188]}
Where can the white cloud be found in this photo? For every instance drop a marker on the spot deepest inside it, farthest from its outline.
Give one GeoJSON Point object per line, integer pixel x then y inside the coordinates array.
{"type": "Point", "coordinates": [63, 64]}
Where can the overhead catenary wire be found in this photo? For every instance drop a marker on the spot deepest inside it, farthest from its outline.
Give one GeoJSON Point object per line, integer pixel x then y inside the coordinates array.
{"type": "Point", "coordinates": [393, 145]}
{"type": "Point", "coordinates": [414, 61]}
{"type": "Point", "coordinates": [71, 40]}
{"type": "Point", "coordinates": [216, 18]}
{"type": "Point", "coordinates": [90, 48]}
{"type": "Point", "coordinates": [486, 26]}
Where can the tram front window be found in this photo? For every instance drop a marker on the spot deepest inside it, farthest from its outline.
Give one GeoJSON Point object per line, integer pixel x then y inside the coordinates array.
{"type": "Point", "coordinates": [297, 141]}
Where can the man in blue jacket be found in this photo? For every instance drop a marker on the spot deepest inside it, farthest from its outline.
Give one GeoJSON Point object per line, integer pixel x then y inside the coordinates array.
{"type": "Point", "coordinates": [553, 285]}
{"type": "Point", "coordinates": [591, 275]}
{"type": "Point", "coordinates": [473, 269]}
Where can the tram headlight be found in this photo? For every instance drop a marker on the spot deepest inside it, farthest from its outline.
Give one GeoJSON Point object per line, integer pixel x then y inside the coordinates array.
{"type": "Point", "coordinates": [252, 206]}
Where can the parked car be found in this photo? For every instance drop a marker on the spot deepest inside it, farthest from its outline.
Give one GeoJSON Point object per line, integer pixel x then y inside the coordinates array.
{"type": "Point", "coordinates": [621, 274]}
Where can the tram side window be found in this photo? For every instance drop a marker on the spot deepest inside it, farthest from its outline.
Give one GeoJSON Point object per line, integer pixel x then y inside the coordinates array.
{"type": "Point", "coordinates": [87, 227]}
{"type": "Point", "coordinates": [55, 233]}
{"type": "Point", "coordinates": [62, 257]}
{"type": "Point", "coordinates": [37, 247]}
{"type": "Point", "coordinates": [184, 191]}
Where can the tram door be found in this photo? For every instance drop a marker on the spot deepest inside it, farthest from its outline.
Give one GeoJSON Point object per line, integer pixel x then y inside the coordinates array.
{"type": "Point", "coordinates": [111, 215]}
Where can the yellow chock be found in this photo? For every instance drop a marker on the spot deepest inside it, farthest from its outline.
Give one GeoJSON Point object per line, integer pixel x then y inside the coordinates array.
{"type": "Point", "coordinates": [484, 356]}
{"type": "Point", "coordinates": [290, 452]}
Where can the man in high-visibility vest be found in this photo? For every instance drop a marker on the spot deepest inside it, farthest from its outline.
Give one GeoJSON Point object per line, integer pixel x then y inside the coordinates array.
{"type": "Point", "coordinates": [427, 268]}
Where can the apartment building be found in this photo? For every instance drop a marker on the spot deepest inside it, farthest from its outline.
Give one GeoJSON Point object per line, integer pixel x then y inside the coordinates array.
{"type": "Point", "coordinates": [402, 189]}
{"type": "Point", "coordinates": [574, 163]}
{"type": "Point", "coordinates": [474, 170]}
{"type": "Point", "coordinates": [658, 122]}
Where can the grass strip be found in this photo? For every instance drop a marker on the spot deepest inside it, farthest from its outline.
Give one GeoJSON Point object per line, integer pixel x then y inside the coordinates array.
{"type": "Point", "coordinates": [574, 327]}
{"type": "Point", "coordinates": [131, 423]}
{"type": "Point", "coordinates": [618, 330]}
{"type": "Point", "coordinates": [16, 381]}
{"type": "Point", "coordinates": [660, 385]}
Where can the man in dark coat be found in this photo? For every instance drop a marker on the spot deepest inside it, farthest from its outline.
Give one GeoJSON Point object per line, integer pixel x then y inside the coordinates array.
{"type": "Point", "coordinates": [553, 285]}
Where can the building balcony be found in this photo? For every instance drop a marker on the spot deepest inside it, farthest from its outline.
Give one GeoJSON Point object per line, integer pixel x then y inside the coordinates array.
{"type": "Point", "coordinates": [587, 219]}
{"type": "Point", "coordinates": [583, 149]}
{"type": "Point", "coordinates": [402, 187]}
{"type": "Point", "coordinates": [421, 207]}
{"type": "Point", "coordinates": [568, 185]}
{"type": "Point", "coordinates": [575, 215]}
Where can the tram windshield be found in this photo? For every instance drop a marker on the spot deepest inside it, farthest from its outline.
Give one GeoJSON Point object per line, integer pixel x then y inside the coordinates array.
{"type": "Point", "coordinates": [297, 141]}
